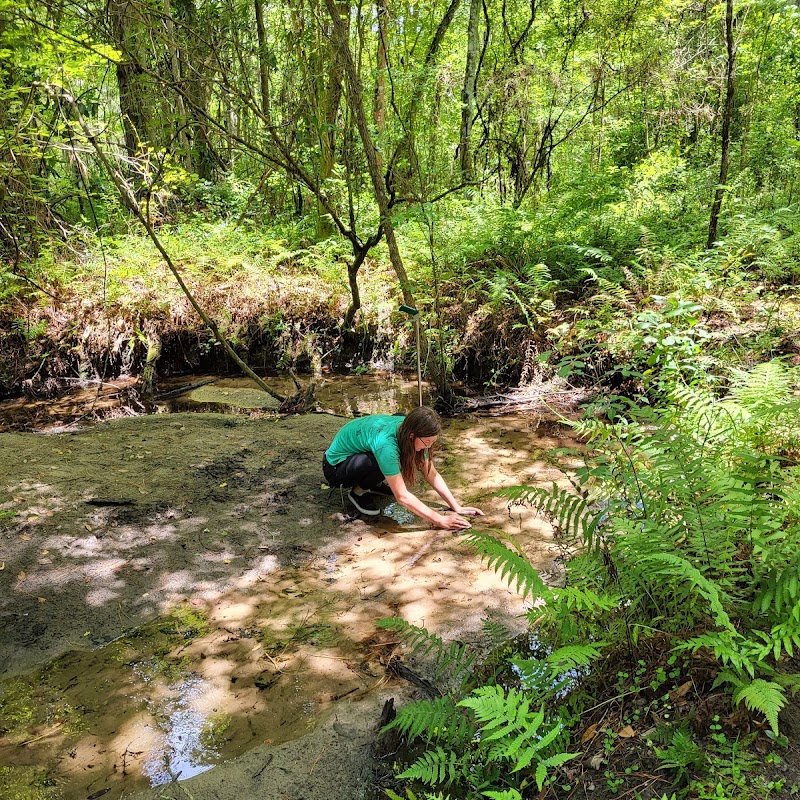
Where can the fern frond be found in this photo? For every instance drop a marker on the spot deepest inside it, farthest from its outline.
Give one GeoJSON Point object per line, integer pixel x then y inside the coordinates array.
{"type": "Point", "coordinates": [763, 696]}
{"type": "Point", "coordinates": [586, 601]}
{"type": "Point", "coordinates": [573, 656]}
{"type": "Point", "coordinates": [436, 720]}
{"type": "Point", "coordinates": [769, 383]}
{"type": "Point", "coordinates": [457, 658]}
{"type": "Point", "coordinates": [435, 767]}
{"type": "Point", "coordinates": [512, 565]}
{"type": "Point", "coordinates": [726, 647]}
{"type": "Point", "coordinates": [569, 512]}
{"type": "Point", "coordinates": [419, 639]}
{"type": "Point", "coordinates": [500, 712]}
{"type": "Point", "coordinates": [496, 632]}
{"type": "Point", "coordinates": [516, 732]}
{"type": "Point", "coordinates": [673, 564]}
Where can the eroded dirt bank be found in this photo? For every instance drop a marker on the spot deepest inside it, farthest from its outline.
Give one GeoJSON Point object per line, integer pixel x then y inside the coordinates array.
{"type": "Point", "coordinates": [109, 527]}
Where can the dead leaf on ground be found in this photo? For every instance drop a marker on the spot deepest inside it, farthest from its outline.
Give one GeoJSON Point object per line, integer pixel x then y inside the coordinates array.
{"type": "Point", "coordinates": [676, 694]}
{"type": "Point", "coordinates": [589, 733]}
{"type": "Point", "coordinates": [627, 732]}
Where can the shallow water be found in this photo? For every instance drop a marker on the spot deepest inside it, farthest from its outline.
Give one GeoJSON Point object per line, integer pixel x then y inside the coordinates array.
{"type": "Point", "coordinates": [348, 395]}
{"type": "Point", "coordinates": [190, 690]}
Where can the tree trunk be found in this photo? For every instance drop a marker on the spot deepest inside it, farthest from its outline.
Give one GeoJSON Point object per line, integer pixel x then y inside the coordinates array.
{"type": "Point", "coordinates": [149, 378]}
{"type": "Point", "coordinates": [381, 67]}
{"type": "Point", "coordinates": [132, 97]}
{"type": "Point", "coordinates": [263, 58]}
{"type": "Point", "coordinates": [468, 90]}
{"type": "Point", "coordinates": [193, 55]}
{"type": "Point", "coordinates": [185, 151]}
{"type": "Point", "coordinates": [356, 103]}
{"type": "Point", "coordinates": [727, 114]}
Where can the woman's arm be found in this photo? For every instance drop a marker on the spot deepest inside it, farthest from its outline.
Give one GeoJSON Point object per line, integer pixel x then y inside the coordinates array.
{"type": "Point", "coordinates": [416, 506]}
{"type": "Point", "coordinates": [438, 484]}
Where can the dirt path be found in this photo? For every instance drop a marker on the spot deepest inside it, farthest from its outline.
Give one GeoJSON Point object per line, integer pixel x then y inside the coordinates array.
{"type": "Point", "coordinates": [104, 529]}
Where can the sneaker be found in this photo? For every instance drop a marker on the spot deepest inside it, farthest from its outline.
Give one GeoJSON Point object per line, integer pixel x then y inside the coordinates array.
{"type": "Point", "coordinates": [363, 502]}
{"type": "Point", "coordinates": [381, 489]}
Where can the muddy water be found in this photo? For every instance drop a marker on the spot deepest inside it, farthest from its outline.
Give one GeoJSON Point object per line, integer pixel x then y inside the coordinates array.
{"type": "Point", "coordinates": [265, 657]}
{"type": "Point", "coordinates": [351, 395]}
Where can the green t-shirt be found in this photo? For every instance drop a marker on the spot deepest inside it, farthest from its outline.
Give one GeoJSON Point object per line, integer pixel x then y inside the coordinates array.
{"type": "Point", "coordinates": [376, 434]}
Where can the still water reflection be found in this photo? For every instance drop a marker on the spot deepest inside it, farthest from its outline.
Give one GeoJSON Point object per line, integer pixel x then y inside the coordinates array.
{"type": "Point", "coordinates": [348, 395]}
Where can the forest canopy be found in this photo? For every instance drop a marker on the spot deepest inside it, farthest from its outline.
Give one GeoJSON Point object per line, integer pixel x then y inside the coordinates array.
{"type": "Point", "coordinates": [519, 156]}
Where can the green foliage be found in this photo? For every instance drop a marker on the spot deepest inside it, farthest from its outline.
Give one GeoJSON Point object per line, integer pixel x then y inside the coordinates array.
{"type": "Point", "coordinates": [436, 767]}
{"type": "Point", "coordinates": [686, 524]}
{"type": "Point", "coordinates": [518, 734]}
{"type": "Point", "coordinates": [512, 564]}
{"type": "Point", "coordinates": [764, 696]}
{"type": "Point", "coordinates": [456, 659]}
{"type": "Point", "coordinates": [683, 755]}
{"type": "Point", "coordinates": [435, 721]}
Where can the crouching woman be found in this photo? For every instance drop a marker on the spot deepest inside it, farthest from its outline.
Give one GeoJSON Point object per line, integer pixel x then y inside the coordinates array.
{"type": "Point", "coordinates": [381, 455]}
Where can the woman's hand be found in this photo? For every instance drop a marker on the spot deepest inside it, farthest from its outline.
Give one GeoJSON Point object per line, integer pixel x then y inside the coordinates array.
{"type": "Point", "coordinates": [468, 511]}
{"type": "Point", "coordinates": [452, 522]}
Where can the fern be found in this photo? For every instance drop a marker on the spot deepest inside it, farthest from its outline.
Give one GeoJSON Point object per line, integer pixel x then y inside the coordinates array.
{"type": "Point", "coordinates": [669, 563]}
{"type": "Point", "coordinates": [436, 767]}
{"type": "Point", "coordinates": [437, 721]}
{"type": "Point", "coordinates": [585, 600]}
{"type": "Point", "coordinates": [573, 656]}
{"type": "Point", "coordinates": [457, 658]}
{"type": "Point", "coordinates": [495, 632]}
{"type": "Point", "coordinates": [726, 648]}
{"type": "Point", "coordinates": [764, 696]}
{"type": "Point", "coordinates": [517, 734]}
{"type": "Point", "coordinates": [512, 565]}
{"type": "Point", "coordinates": [570, 513]}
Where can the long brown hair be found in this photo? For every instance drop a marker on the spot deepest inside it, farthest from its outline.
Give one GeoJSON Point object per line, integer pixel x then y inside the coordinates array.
{"type": "Point", "coordinates": [422, 422]}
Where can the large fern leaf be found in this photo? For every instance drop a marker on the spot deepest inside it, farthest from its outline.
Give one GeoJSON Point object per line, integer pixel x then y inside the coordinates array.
{"type": "Point", "coordinates": [512, 565]}
{"type": "Point", "coordinates": [763, 696]}
{"type": "Point", "coordinates": [457, 658]}
{"type": "Point", "coordinates": [438, 721]}
{"type": "Point", "coordinates": [570, 514]}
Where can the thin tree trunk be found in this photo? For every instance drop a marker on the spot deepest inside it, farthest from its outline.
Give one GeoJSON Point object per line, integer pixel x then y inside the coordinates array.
{"type": "Point", "coordinates": [727, 114]}
{"type": "Point", "coordinates": [263, 58]}
{"type": "Point", "coordinates": [356, 104]}
{"type": "Point", "coordinates": [356, 101]}
{"type": "Point", "coordinates": [132, 103]}
{"type": "Point", "coordinates": [175, 69]}
{"type": "Point", "coordinates": [468, 90]}
{"type": "Point", "coordinates": [381, 66]}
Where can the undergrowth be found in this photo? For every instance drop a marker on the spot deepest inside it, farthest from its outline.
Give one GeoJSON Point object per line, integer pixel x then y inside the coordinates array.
{"type": "Point", "coordinates": [682, 542]}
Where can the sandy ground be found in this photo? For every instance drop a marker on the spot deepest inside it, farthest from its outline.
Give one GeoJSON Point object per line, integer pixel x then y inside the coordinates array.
{"type": "Point", "coordinates": [104, 529]}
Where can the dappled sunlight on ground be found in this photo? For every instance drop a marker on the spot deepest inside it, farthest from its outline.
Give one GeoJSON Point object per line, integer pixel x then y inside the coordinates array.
{"type": "Point", "coordinates": [274, 586]}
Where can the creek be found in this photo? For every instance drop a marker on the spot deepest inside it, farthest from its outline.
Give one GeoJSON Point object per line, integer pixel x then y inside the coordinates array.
{"type": "Point", "coordinates": [180, 588]}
